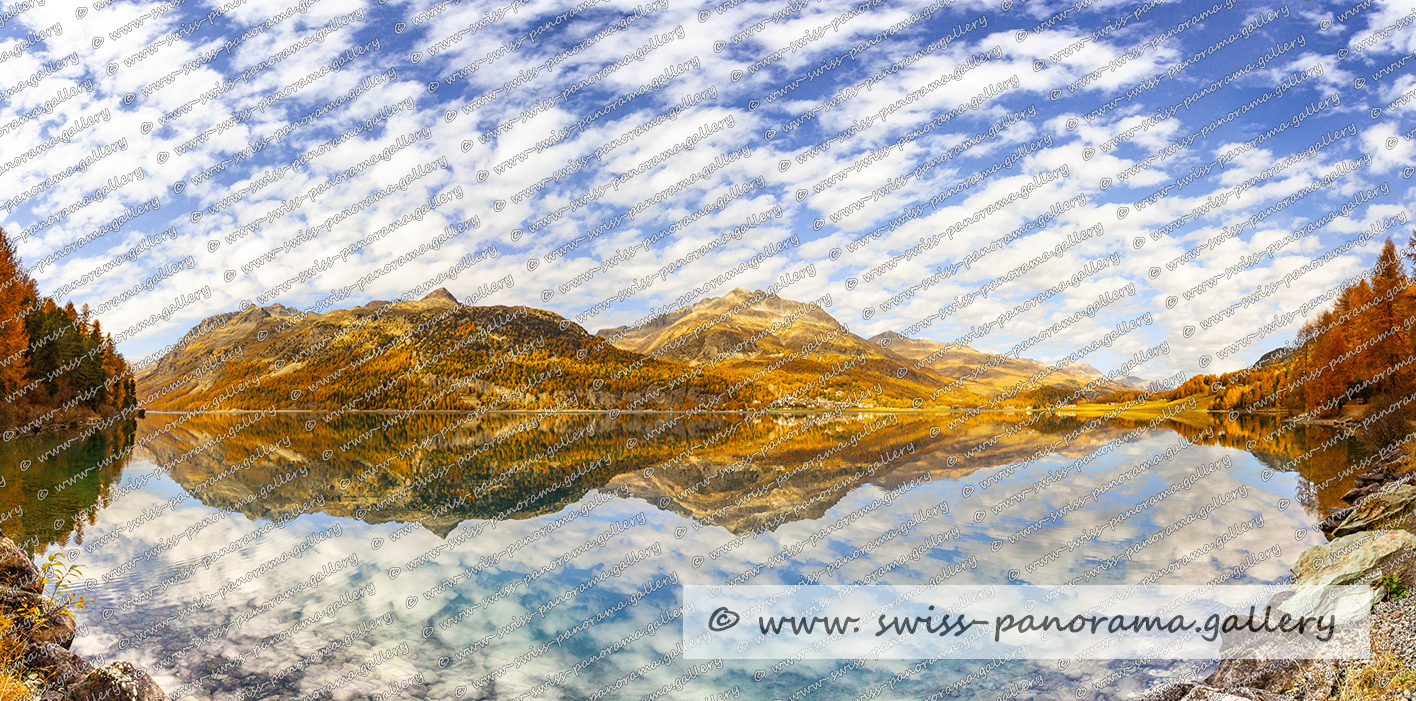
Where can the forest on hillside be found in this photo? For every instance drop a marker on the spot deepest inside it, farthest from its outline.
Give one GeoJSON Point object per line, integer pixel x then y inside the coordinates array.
{"type": "Point", "coordinates": [1359, 350]}
{"type": "Point", "coordinates": [57, 365]}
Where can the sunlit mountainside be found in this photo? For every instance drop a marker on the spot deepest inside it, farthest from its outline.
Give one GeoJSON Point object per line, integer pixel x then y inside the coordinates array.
{"type": "Point", "coordinates": [744, 350]}
{"type": "Point", "coordinates": [431, 354]}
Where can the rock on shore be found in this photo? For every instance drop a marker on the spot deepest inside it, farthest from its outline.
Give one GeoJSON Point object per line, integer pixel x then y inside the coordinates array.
{"type": "Point", "coordinates": [65, 676]}
{"type": "Point", "coordinates": [1372, 538]}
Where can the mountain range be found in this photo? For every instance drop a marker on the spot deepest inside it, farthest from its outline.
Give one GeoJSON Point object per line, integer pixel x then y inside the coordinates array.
{"type": "Point", "coordinates": [744, 350]}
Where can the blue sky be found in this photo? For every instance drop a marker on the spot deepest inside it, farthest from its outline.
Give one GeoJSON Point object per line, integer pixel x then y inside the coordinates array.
{"type": "Point", "coordinates": [1094, 108]}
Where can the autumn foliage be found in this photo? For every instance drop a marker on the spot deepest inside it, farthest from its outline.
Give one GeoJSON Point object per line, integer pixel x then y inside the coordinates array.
{"type": "Point", "coordinates": [1359, 350]}
{"type": "Point", "coordinates": [56, 363]}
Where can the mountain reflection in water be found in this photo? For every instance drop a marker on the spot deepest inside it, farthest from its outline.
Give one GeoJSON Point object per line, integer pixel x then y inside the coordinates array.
{"type": "Point", "coordinates": [179, 526]}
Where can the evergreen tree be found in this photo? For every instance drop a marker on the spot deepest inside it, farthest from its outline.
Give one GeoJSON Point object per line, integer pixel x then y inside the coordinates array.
{"type": "Point", "coordinates": [51, 354]}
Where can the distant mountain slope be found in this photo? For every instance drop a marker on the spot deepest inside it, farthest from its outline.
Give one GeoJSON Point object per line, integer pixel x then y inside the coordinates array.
{"type": "Point", "coordinates": [789, 346]}
{"type": "Point", "coordinates": [735, 331]}
{"type": "Point", "coordinates": [960, 361]}
{"type": "Point", "coordinates": [744, 350]}
{"type": "Point", "coordinates": [430, 354]}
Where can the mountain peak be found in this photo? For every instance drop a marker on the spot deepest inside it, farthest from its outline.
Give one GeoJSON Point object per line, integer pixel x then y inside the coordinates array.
{"type": "Point", "coordinates": [440, 295]}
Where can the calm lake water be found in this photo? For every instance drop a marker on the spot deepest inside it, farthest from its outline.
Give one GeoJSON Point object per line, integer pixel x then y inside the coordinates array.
{"type": "Point", "coordinates": [432, 556]}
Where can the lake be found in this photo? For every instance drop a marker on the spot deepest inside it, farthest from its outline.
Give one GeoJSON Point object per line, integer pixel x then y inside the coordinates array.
{"type": "Point", "coordinates": [531, 556]}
